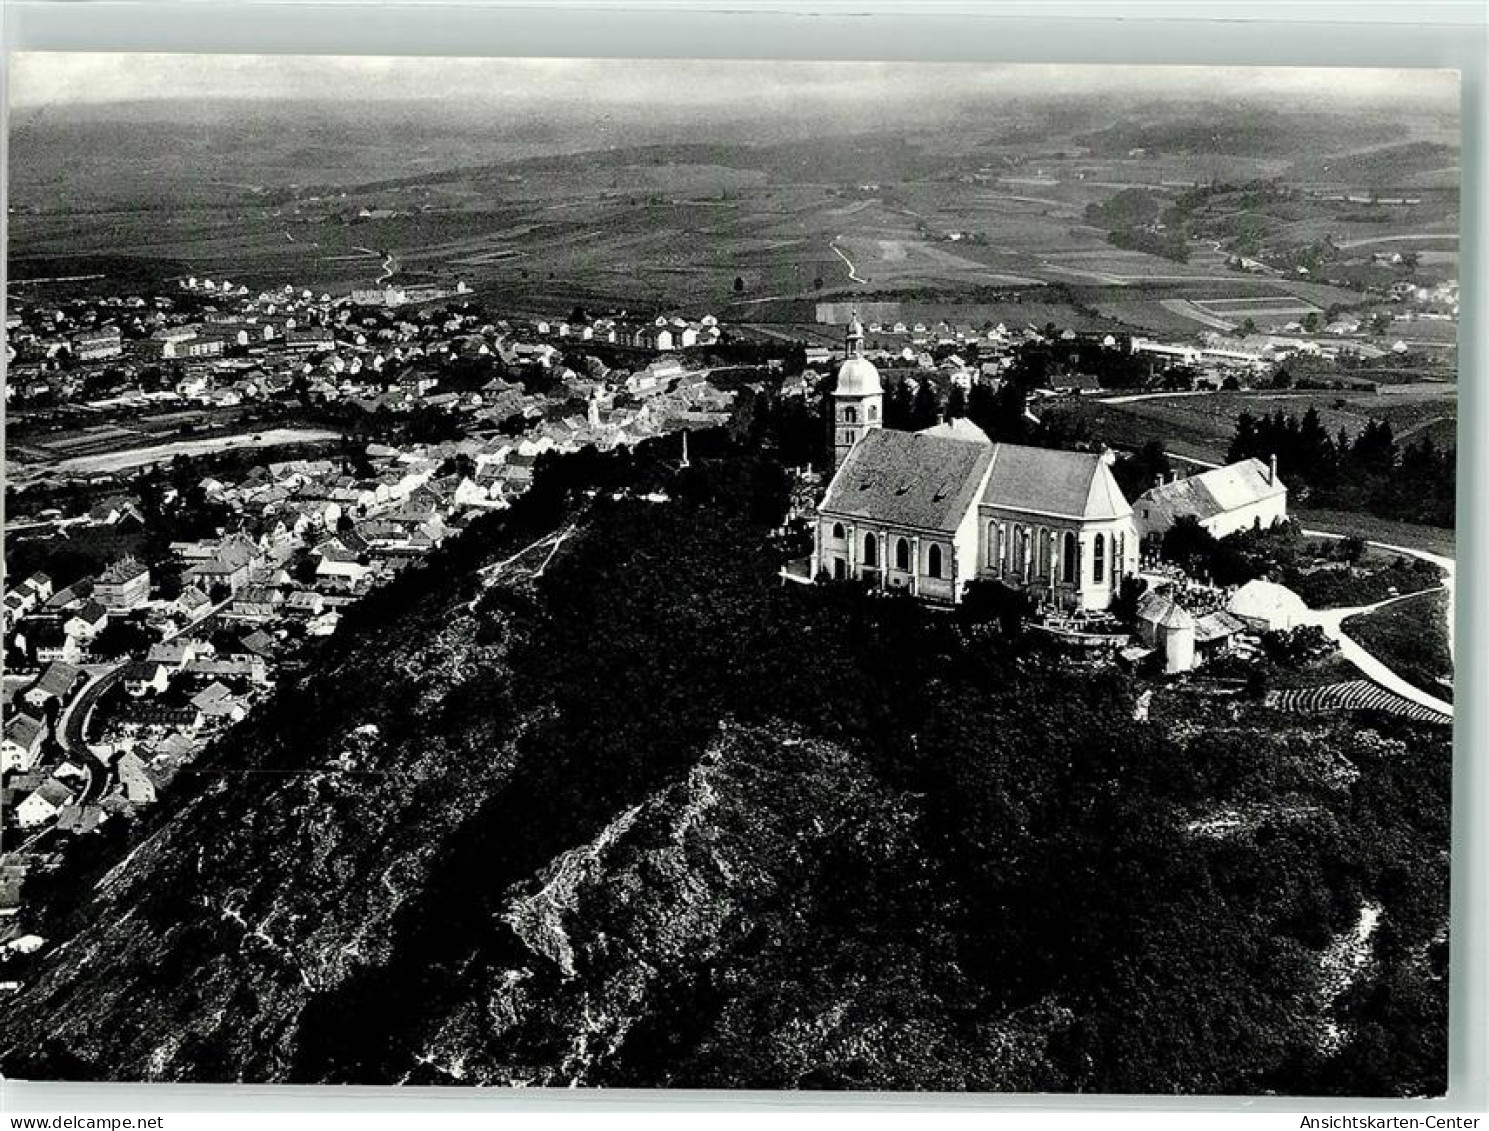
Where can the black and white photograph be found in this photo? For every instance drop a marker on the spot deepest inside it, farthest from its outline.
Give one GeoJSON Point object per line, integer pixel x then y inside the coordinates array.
{"type": "Point", "coordinates": [718, 574]}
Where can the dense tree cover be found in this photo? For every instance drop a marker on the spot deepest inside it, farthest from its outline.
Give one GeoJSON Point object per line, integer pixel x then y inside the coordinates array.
{"type": "Point", "coordinates": [1053, 864]}
{"type": "Point", "coordinates": [1281, 553]}
{"type": "Point", "coordinates": [1141, 220]}
{"type": "Point", "coordinates": [1042, 888]}
{"type": "Point", "coordinates": [1137, 471]}
{"type": "Point", "coordinates": [1369, 471]}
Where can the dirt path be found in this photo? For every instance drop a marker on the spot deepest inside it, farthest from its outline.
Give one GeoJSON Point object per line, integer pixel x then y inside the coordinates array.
{"type": "Point", "coordinates": [852, 271]}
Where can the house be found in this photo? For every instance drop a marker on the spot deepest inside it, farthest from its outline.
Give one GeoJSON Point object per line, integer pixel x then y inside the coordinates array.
{"type": "Point", "coordinates": [135, 779]}
{"type": "Point", "coordinates": [50, 641]}
{"type": "Point", "coordinates": [229, 565]}
{"type": "Point", "coordinates": [1241, 496]}
{"type": "Point", "coordinates": [69, 597]}
{"type": "Point", "coordinates": [21, 744]}
{"type": "Point", "coordinates": [192, 603]}
{"type": "Point", "coordinates": [43, 804]}
{"type": "Point", "coordinates": [207, 669]}
{"type": "Point", "coordinates": [255, 604]}
{"type": "Point", "coordinates": [218, 704]}
{"type": "Point", "coordinates": [58, 681]}
{"type": "Point", "coordinates": [38, 586]}
{"type": "Point", "coordinates": [145, 718]}
{"type": "Point", "coordinates": [80, 819]}
{"type": "Point", "coordinates": [146, 677]}
{"type": "Point", "coordinates": [176, 654]}
{"type": "Point", "coordinates": [125, 585]}
{"type": "Point", "coordinates": [305, 603]}
{"type": "Point", "coordinates": [259, 643]}
{"type": "Point", "coordinates": [93, 345]}
{"type": "Point", "coordinates": [87, 622]}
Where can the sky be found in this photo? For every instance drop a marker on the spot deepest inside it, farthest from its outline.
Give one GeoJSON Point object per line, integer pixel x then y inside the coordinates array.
{"type": "Point", "coordinates": [42, 78]}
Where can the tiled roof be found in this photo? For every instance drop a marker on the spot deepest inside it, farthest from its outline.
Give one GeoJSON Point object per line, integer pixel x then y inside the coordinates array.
{"type": "Point", "coordinates": [24, 731]}
{"type": "Point", "coordinates": [1213, 626]}
{"type": "Point", "coordinates": [57, 679]}
{"type": "Point", "coordinates": [1163, 612]}
{"type": "Point", "coordinates": [1052, 482]}
{"type": "Point", "coordinates": [909, 479]}
{"type": "Point", "coordinates": [1217, 491]}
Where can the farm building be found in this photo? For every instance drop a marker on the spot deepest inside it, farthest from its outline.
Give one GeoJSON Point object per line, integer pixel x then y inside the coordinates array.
{"type": "Point", "coordinates": [1225, 500]}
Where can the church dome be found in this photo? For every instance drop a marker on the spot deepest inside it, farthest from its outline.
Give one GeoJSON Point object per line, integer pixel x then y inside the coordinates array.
{"type": "Point", "coordinates": [858, 377]}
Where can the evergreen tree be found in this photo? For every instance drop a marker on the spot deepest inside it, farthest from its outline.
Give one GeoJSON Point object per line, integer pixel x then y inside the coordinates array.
{"type": "Point", "coordinates": [956, 403]}
{"type": "Point", "coordinates": [899, 407]}
{"type": "Point", "coordinates": [926, 408]}
{"type": "Point", "coordinates": [982, 407]}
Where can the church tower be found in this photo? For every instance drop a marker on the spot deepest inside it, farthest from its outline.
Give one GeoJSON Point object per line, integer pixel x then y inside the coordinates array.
{"type": "Point", "coordinates": [858, 399]}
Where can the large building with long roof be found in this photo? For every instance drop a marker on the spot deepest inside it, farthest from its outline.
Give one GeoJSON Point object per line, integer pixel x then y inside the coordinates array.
{"type": "Point", "coordinates": [1224, 500]}
{"type": "Point", "coordinates": [929, 511]}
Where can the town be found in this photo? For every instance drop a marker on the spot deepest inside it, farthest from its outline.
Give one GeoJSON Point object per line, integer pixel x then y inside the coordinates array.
{"type": "Point", "coordinates": [117, 679]}
{"type": "Point", "coordinates": [669, 592]}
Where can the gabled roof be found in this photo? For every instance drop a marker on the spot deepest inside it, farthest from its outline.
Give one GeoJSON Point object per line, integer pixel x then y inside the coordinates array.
{"type": "Point", "coordinates": [1164, 612]}
{"type": "Point", "coordinates": [92, 612]}
{"type": "Point", "coordinates": [1214, 626]}
{"type": "Point", "coordinates": [24, 731]}
{"type": "Point", "coordinates": [145, 671]}
{"type": "Point", "coordinates": [54, 792]}
{"type": "Point", "coordinates": [57, 679]}
{"type": "Point", "coordinates": [1217, 491]}
{"type": "Point", "coordinates": [1052, 482]}
{"type": "Point", "coordinates": [909, 479]}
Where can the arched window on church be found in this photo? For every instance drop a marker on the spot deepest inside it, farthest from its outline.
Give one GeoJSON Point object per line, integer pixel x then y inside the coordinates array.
{"type": "Point", "coordinates": [933, 562]}
{"type": "Point", "coordinates": [902, 554]}
{"type": "Point", "coordinates": [1017, 564]}
{"type": "Point", "coordinates": [850, 415]}
{"type": "Point", "coordinates": [995, 546]}
{"type": "Point", "coordinates": [837, 531]}
{"type": "Point", "coordinates": [1098, 559]}
{"type": "Point", "coordinates": [870, 550]}
{"type": "Point", "coordinates": [1068, 559]}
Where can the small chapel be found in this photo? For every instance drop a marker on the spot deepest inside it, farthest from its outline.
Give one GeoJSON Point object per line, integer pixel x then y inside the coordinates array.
{"type": "Point", "coordinates": [929, 511]}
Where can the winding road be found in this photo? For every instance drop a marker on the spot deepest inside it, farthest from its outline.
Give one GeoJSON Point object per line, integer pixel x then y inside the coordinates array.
{"type": "Point", "coordinates": [1332, 622]}
{"type": "Point", "coordinates": [853, 275]}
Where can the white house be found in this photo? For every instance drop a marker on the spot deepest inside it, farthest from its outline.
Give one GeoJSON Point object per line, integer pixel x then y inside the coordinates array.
{"type": "Point", "coordinates": [21, 743]}
{"type": "Point", "coordinates": [1225, 500]}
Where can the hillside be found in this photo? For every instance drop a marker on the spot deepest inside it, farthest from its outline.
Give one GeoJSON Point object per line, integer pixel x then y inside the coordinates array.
{"type": "Point", "coordinates": [634, 813]}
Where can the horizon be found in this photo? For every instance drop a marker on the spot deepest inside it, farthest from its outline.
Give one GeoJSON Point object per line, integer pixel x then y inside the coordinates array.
{"type": "Point", "coordinates": [699, 86]}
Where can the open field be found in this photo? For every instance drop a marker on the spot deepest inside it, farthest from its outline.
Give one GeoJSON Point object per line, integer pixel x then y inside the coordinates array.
{"type": "Point", "coordinates": [1411, 637]}
{"type": "Point", "coordinates": [1203, 426]}
{"type": "Point", "coordinates": [640, 220]}
{"type": "Point", "coordinates": [1434, 539]}
{"type": "Point", "coordinates": [122, 460]}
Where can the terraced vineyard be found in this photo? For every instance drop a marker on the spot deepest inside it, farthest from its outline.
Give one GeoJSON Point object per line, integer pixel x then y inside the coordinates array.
{"type": "Point", "coordinates": [1352, 695]}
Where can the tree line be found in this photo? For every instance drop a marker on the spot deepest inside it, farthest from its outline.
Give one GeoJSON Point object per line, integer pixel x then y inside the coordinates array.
{"type": "Point", "coordinates": [1369, 471]}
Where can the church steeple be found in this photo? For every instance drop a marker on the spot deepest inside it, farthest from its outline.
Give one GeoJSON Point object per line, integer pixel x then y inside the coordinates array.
{"type": "Point", "coordinates": [855, 337]}
{"type": "Point", "coordinates": [858, 400]}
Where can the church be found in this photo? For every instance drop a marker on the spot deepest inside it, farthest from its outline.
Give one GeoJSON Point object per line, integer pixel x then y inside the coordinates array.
{"type": "Point", "coordinates": [929, 511]}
